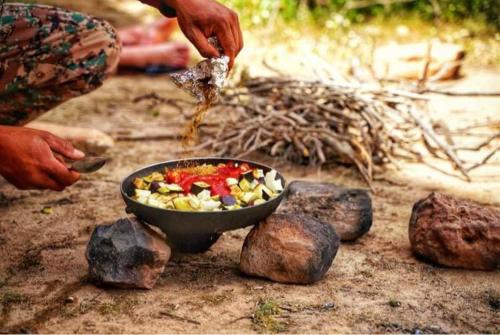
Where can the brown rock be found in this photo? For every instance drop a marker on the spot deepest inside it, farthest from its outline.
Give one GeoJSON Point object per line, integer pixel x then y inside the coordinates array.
{"type": "Point", "coordinates": [126, 254]}
{"type": "Point", "coordinates": [289, 248]}
{"type": "Point", "coordinates": [349, 211]}
{"type": "Point", "coordinates": [455, 233]}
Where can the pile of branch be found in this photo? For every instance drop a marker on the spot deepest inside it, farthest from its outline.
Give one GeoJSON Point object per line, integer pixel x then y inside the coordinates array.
{"type": "Point", "coordinates": [318, 122]}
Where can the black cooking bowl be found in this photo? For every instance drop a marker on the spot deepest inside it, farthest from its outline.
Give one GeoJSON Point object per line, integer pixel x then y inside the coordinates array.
{"type": "Point", "coordinates": [196, 231]}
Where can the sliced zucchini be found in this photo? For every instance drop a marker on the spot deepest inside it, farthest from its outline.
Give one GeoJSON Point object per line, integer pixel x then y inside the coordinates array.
{"type": "Point", "coordinates": [174, 188]}
{"type": "Point", "coordinates": [155, 176]}
{"type": "Point", "coordinates": [163, 190]}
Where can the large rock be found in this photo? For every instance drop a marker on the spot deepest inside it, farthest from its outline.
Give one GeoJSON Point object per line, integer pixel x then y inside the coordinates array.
{"type": "Point", "coordinates": [455, 233]}
{"type": "Point", "coordinates": [289, 248]}
{"type": "Point", "coordinates": [349, 211]}
{"type": "Point", "coordinates": [126, 254]}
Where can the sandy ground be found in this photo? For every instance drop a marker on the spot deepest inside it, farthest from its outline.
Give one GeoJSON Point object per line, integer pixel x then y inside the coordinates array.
{"type": "Point", "coordinates": [374, 285]}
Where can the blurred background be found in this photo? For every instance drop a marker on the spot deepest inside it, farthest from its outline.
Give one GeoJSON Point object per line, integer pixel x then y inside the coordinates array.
{"type": "Point", "coordinates": [286, 32]}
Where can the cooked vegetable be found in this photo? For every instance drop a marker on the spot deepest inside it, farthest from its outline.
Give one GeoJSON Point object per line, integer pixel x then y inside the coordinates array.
{"type": "Point", "coordinates": [174, 188]}
{"type": "Point", "coordinates": [208, 187]}
{"type": "Point", "coordinates": [183, 204]}
{"type": "Point", "coordinates": [248, 175]}
{"type": "Point", "coordinates": [199, 186]}
{"type": "Point", "coordinates": [245, 185]}
{"type": "Point", "coordinates": [155, 186]}
{"type": "Point", "coordinates": [228, 200]}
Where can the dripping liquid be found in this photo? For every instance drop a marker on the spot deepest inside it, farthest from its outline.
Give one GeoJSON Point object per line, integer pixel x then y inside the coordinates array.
{"type": "Point", "coordinates": [210, 96]}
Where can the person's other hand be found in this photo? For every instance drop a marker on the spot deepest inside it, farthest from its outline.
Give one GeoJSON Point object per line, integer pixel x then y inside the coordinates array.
{"type": "Point", "coordinates": [28, 159]}
{"type": "Point", "coordinates": [201, 19]}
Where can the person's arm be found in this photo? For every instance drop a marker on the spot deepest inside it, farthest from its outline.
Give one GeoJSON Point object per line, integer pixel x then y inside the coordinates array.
{"type": "Point", "coordinates": [201, 19]}
{"type": "Point", "coordinates": [28, 159]}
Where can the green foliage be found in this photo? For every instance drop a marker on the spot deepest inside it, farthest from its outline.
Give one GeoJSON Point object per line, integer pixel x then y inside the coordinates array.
{"type": "Point", "coordinates": [9, 298]}
{"type": "Point", "coordinates": [258, 12]}
{"type": "Point", "coordinates": [265, 316]}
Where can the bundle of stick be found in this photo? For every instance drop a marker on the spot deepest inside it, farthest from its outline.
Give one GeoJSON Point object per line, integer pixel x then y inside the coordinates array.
{"type": "Point", "coordinates": [318, 122]}
{"type": "Point", "coordinates": [315, 122]}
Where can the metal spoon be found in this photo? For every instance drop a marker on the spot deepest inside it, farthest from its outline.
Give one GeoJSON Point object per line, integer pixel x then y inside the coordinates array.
{"type": "Point", "coordinates": [88, 164]}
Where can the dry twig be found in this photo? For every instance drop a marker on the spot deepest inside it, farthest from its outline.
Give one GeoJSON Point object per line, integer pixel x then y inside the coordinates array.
{"type": "Point", "coordinates": [318, 122]}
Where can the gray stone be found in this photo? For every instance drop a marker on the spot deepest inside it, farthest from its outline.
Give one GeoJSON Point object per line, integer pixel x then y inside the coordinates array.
{"type": "Point", "coordinates": [349, 211]}
{"type": "Point", "coordinates": [455, 233]}
{"type": "Point", "coordinates": [289, 248]}
{"type": "Point", "coordinates": [126, 254]}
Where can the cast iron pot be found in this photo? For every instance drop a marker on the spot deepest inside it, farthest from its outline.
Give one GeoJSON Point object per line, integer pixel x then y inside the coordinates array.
{"type": "Point", "coordinates": [196, 231]}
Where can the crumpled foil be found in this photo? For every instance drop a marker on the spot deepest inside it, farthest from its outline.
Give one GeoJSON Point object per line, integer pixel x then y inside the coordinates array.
{"type": "Point", "coordinates": [205, 80]}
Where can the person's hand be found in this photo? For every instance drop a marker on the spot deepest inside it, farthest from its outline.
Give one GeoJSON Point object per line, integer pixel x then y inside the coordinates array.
{"type": "Point", "coordinates": [28, 159]}
{"type": "Point", "coordinates": [201, 19]}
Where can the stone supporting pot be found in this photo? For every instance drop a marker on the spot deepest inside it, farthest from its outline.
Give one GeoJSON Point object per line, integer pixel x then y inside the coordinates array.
{"type": "Point", "coordinates": [289, 248]}
{"type": "Point", "coordinates": [349, 211]}
{"type": "Point", "coordinates": [126, 254]}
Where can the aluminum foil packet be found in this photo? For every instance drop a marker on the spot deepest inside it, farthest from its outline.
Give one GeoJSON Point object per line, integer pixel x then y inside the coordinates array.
{"type": "Point", "coordinates": [205, 80]}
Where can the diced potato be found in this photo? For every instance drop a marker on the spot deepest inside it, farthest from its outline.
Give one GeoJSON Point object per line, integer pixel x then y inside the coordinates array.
{"type": "Point", "coordinates": [204, 195]}
{"type": "Point", "coordinates": [258, 173]}
{"type": "Point", "coordinates": [194, 202]}
{"type": "Point", "coordinates": [248, 197]}
{"type": "Point", "coordinates": [272, 182]}
{"type": "Point", "coordinates": [263, 192]}
{"type": "Point", "coordinates": [277, 186]}
{"type": "Point", "coordinates": [245, 185]}
{"type": "Point", "coordinates": [232, 207]}
{"type": "Point", "coordinates": [156, 203]}
{"type": "Point", "coordinates": [209, 205]}
{"type": "Point", "coordinates": [183, 204]}
{"type": "Point", "coordinates": [254, 184]}
{"type": "Point", "coordinates": [231, 181]}
{"type": "Point", "coordinates": [235, 190]}
{"type": "Point", "coordinates": [259, 202]}
{"type": "Point", "coordinates": [140, 184]}
{"type": "Point", "coordinates": [142, 193]}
